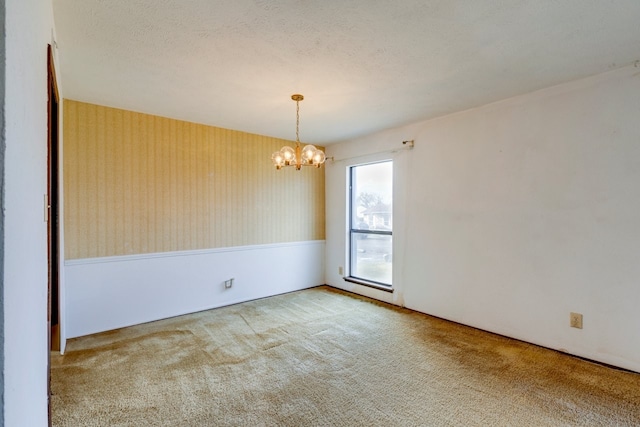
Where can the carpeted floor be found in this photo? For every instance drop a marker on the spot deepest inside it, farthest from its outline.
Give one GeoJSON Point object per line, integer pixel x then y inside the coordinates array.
{"type": "Point", "coordinates": [322, 357]}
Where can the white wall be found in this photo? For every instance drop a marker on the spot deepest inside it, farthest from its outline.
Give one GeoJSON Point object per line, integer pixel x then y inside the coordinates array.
{"type": "Point", "coordinates": [113, 292]}
{"type": "Point", "coordinates": [518, 213]}
{"type": "Point", "coordinates": [29, 25]}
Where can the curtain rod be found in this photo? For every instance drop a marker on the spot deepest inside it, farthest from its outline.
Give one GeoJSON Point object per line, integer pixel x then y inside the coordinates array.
{"type": "Point", "coordinates": [407, 145]}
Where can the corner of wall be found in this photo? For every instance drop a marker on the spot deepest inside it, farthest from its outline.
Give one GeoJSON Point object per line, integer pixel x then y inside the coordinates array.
{"type": "Point", "coordinates": [2, 150]}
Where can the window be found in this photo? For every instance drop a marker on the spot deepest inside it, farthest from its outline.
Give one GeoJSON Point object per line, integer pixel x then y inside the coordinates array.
{"type": "Point", "coordinates": [371, 224]}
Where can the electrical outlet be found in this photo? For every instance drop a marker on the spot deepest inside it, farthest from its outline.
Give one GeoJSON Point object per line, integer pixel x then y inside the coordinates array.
{"type": "Point", "coordinates": [575, 320]}
{"type": "Point", "coordinates": [340, 271]}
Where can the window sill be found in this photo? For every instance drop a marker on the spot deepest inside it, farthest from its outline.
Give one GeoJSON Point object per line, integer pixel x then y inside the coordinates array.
{"type": "Point", "coordinates": [374, 285]}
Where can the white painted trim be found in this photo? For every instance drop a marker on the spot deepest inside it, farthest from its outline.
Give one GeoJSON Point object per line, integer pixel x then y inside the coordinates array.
{"type": "Point", "coordinates": [135, 257]}
{"type": "Point", "coordinates": [61, 278]}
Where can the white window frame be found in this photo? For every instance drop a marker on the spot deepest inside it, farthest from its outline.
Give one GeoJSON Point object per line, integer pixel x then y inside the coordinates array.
{"type": "Point", "coordinates": [352, 232]}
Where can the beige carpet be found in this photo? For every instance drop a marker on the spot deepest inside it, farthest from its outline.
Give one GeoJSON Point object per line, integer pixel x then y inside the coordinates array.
{"type": "Point", "coordinates": [321, 357]}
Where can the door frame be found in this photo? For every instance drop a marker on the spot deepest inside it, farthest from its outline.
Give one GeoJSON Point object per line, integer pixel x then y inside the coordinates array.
{"type": "Point", "coordinates": [52, 215]}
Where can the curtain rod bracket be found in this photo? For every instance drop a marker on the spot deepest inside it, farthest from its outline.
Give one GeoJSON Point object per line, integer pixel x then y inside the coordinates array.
{"type": "Point", "coordinates": [408, 142]}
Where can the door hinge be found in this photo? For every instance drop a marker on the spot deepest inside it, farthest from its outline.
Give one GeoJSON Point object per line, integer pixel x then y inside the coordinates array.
{"type": "Point", "coordinates": [47, 207]}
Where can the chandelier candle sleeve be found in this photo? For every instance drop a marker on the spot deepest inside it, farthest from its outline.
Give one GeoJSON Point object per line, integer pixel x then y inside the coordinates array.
{"type": "Point", "coordinates": [308, 156]}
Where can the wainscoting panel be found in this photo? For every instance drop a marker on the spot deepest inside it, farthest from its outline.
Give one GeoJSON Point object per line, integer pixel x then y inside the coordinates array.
{"type": "Point", "coordinates": [113, 292]}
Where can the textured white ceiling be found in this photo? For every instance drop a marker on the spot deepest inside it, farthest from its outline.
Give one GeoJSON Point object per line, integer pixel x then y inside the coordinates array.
{"type": "Point", "coordinates": [362, 65]}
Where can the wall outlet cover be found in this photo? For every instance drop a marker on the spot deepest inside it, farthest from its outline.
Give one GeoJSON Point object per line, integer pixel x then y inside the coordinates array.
{"type": "Point", "coordinates": [575, 320]}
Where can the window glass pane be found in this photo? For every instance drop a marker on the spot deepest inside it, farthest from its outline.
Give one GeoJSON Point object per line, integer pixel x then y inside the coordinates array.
{"type": "Point", "coordinates": [371, 257]}
{"type": "Point", "coordinates": [371, 222]}
{"type": "Point", "coordinates": [371, 197]}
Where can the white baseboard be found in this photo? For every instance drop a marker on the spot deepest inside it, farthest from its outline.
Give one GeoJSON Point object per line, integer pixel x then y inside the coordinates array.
{"type": "Point", "coordinates": [113, 292]}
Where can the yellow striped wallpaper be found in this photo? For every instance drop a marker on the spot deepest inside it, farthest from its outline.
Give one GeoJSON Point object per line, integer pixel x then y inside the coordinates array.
{"type": "Point", "coordinates": [136, 183]}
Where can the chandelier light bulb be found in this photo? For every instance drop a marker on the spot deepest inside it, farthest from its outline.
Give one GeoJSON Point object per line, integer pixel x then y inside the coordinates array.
{"type": "Point", "coordinates": [278, 159]}
{"type": "Point", "coordinates": [308, 152]}
{"type": "Point", "coordinates": [319, 158]}
{"type": "Point", "coordinates": [288, 154]}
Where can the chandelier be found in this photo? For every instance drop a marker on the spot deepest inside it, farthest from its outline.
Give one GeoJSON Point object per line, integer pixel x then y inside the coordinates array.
{"type": "Point", "coordinates": [308, 156]}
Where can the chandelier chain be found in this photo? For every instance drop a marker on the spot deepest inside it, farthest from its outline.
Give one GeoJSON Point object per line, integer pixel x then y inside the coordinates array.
{"type": "Point", "coordinates": [298, 122]}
